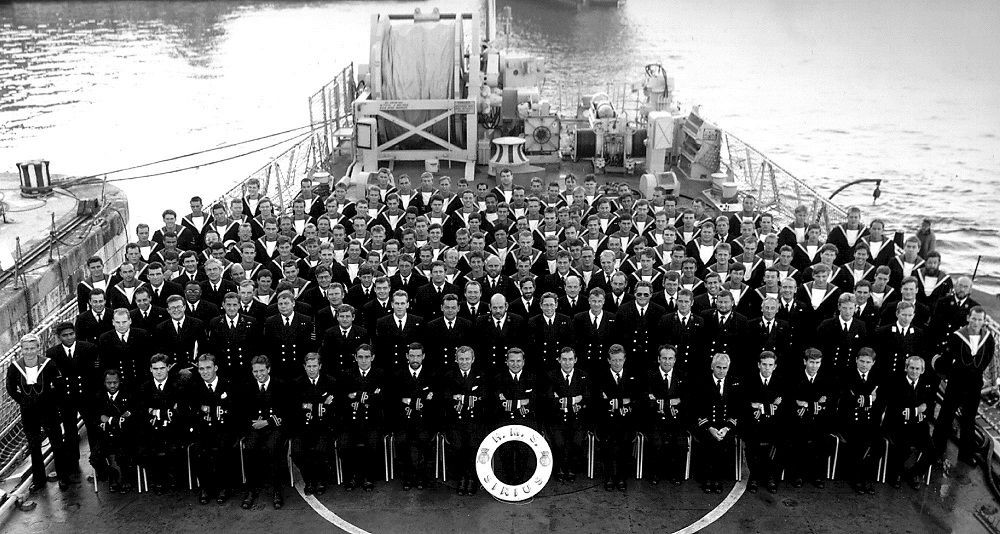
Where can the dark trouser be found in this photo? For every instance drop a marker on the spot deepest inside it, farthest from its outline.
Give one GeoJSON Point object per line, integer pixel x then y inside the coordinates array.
{"type": "Point", "coordinates": [463, 440]}
{"type": "Point", "coordinates": [414, 447]}
{"type": "Point", "coordinates": [69, 416]}
{"type": "Point", "coordinates": [808, 449]}
{"type": "Point", "coordinates": [863, 448]}
{"type": "Point", "coordinates": [162, 454]}
{"type": "Point", "coordinates": [112, 453]}
{"type": "Point", "coordinates": [616, 451]}
{"type": "Point", "coordinates": [359, 445]}
{"type": "Point", "coordinates": [667, 452]}
{"type": "Point", "coordinates": [311, 452]}
{"type": "Point", "coordinates": [910, 440]}
{"type": "Point", "coordinates": [264, 458]}
{"type": "Point", "coordinates": [567, 445]}
{"type": "Point", "coordinates": [959, 395]}
{"type": "Point", "coordinates": [215, 459]}
{"type": "Point", "coordinates": [715, 457]}
{"type": "Point", "coordinates": [34, 419]}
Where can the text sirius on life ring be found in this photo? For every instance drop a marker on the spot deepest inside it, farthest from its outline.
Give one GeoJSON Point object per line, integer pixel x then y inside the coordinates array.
{"type": "Point", "coordinates": [543, 463]}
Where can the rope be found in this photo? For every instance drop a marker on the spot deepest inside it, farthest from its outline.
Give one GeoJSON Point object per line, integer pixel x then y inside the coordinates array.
{"type": "Point", "coordinates": [197, 153]}
{"type": "Point", "coordinates": [297, 137]}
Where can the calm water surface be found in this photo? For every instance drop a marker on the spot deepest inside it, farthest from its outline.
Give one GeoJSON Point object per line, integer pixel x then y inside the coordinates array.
{"type": "Point", "coordinates": [905, 90]}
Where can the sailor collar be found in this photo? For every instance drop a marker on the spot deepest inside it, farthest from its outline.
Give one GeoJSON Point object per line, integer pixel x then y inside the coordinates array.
{"type": "Point", "coordinates": [968, 342]}
{"type": "Point", "coordinates": [23, 369]}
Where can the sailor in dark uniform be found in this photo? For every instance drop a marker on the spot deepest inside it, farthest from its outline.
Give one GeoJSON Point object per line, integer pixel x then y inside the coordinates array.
{"type": "Point", "coordinates": [840, 338]}
{"type": "Point", "coordinates": [213, 402]}
{"type": "Point", "coordinates": [637, 322]}
{"type": "Point", "coordinates": [412, 398]}
{"type": "Point", "coordinates": [264, 419]}
{"type": "Point", "coordinates": [952, 311]}
{"type": "Point", "coordinates": [164, 426]}
{"type": "Point", "coordinates": [113, 446]}
{"type": "Point", "coordinates": [550, 332]}
{"type": "Point", "coordinates": [566, 403]}
{"type": "Point", "coordinates": [288, 337]}
{"type": "Point", "coordinates": [312, 417]}
{"type": "Point", "coordinates": [860, 409]}
{"type": "Point", "coordinates": [92, 323]}
{"type": "Point", "coordinates": [33, 382]}
{"type": "Point", "coordinates": [445, 334]}
{"type": "Point", "coordinates": [761, 422]}
{"type": "Point", "coordinates": [897, 342]}
{"type": "Point", "coordinates": [616, 397]}
{"type": "Point", "coordinates": [394, 333]}
{"type": "Point", "coordinates": [180, 337]}
{"type": "Point", "coordinates": [498, 332]}
{"type": "Point", "coordinates": [464, 391]}
{"type": "Point", "coordinates": [361, 405]}
{"type": "Point", "coordinates": [95, 279]}
{"type": "Point", "coordinates": [595, 331]}
{"type": "Point", "coordinates": [684, 331]}
{"type": "Point", "coordinates": [515, 393]}
{"type": "Point", "coordinates": [146, 316]}
{"type": "Point", "coordinates": [716, 411]}
{"type": "Point", "coordinates": [967, 354]}
{"type": "Point", "coordinates": [233, 338]}
{"type": "Point", "coordinates": [666, 418]}
{"type": "Point", "coordinates": [126, 349]}
{"type": "Point", "coordinates": [810, 408]}
{"type": "Point", "coordinates": [80, 368]}
{"type": "Point", "coordinates": [341, 341]}
{"type": "Point", "coordinates": [910, 400]}
{"type": "Point", "coordinates": [724, 333]}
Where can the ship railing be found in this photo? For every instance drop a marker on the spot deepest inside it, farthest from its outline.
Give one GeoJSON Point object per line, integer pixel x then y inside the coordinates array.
{"type": "Point", "coordinates": [331, 113]}
{"type": "Point", "coordinates": [777, 190]}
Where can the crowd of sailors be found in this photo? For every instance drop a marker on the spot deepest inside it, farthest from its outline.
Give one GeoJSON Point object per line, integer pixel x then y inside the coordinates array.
{"type": "Point", "coordinates": [431, 313]}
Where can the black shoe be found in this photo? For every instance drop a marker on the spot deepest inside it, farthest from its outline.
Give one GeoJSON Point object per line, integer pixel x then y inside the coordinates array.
{"type": "Point", "coordinates": [319, 488]}
{"type": "Point", "coordinates": [896, 483]}
{"type": "Point", "coordinates": [708, 488]}
{"type": "Point", "coordinates": [797, 483]}
{"type": "Point", "coordinates": [113, 488]}
{"type": "Point", "coordinates": [622, 485]}
{"type": "Point", "coordinates": [858, 488]}
{"type": "Point", "coordinates": [461, 488]}
{"type": "Point", "coordinates": [571, 477]}
{"type": "Point", "coordinates": [654, 480]}
{"type": "Point", "coordinates": [248, 500]}
{"type": "Point", "coordinates": [350, 485]}
{"type": "Point", "coordinates": [609, 485]}
{"type": "Point", "coordinates": [772, 486]}
{"type": "Point", "coordinates": [368, 486]}
{"type": "Point", "coordinates": [819, 483]}
{"type": "Point", "coordinates": [223, 496]}
{"type": "Point", "coordinates": [37, 485]}
{"type": "Point", "coordinates": [204, 497]}
{"type": "Point", "coordinates": [870, 488]}
{"type": "Point", "coordinates": [718, 487]}
{"type": "Point", "coordinates": [308, 489]}
{"type": "Point", "coordinates": [421, 484]}
{"type": "Point", "coordinates": [752, 487]}
{"type": "Point", "coordinates": [279, 499]}
{"type": "Point", "coordinates": [914, 482]}
{"type": "Point", "coordinates": [407, 485]}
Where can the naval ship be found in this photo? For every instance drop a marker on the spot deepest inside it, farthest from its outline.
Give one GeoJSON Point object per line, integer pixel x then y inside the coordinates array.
{"type": "Point", "coordinates": [440, 93]}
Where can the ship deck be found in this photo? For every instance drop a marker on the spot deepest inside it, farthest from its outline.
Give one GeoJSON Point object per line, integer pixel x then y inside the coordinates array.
{"type": "Point", "coordinates": [948, 504]}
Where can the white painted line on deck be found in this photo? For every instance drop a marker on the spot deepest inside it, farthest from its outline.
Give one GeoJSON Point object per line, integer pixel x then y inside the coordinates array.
{"type": "Point", "coordinates": [711, 517]}
{"type": "Point", "coordinates": [721, 509]}
{"type": "Point", "coordinates": [325, 512]}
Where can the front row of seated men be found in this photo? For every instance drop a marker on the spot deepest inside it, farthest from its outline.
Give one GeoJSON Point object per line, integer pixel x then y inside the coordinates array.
{"type": "Point", "coordinates": [787, 420]}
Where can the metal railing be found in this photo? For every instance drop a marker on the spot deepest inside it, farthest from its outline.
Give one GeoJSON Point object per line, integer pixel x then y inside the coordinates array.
{"type": "Point", "coordinates": [777, 190]}
{"type": "Point", "coordinates": [332, 105]}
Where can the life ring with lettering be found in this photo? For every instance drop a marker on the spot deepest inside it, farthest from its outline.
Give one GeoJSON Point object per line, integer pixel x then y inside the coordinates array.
{"type": "Point", "coordinates": [543, 463]}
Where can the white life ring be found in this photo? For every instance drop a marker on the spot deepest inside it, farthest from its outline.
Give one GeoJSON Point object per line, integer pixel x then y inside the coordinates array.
{"type": "Point", "coordinates": [543, 463]}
